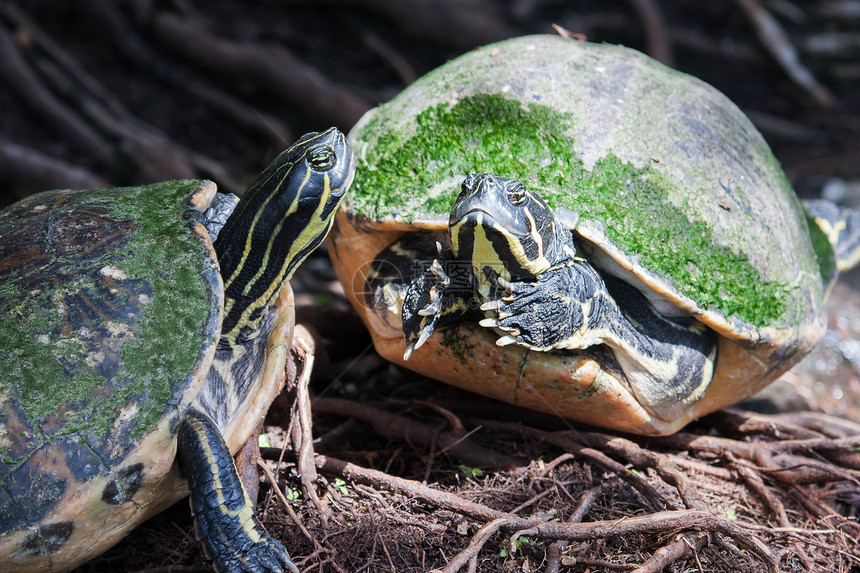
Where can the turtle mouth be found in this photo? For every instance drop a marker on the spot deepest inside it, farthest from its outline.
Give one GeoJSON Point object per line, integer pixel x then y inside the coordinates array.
{"type": "Point", "coordinates": [481, 226]}
{"type": "Point", "coordinates": [477, 214]}
{"type": "Point", "coordinates": [481, 217]}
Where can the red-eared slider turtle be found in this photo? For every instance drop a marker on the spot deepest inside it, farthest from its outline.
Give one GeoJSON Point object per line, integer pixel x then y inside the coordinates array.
{"type": "Point", "coordinates": [685, 273]}
{"type": "Point", "coordinates": [137, 350]}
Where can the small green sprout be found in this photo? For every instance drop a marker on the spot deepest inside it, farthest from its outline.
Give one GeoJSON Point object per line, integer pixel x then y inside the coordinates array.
{"type": "Point", "coordinates": [471, 472]}
{"type": "Point", "coordinates": [518, 545]}
{"type": "Point", "coordinates": [340, 485]}
{"type": "Point", "coordinates": [293, 495]}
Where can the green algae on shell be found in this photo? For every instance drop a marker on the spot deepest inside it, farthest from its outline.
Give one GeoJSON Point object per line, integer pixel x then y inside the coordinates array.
{"type": "Point", "coordinates": [110, 306]}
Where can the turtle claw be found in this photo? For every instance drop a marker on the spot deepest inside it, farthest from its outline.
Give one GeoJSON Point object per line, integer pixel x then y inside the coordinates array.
{"type": "Point", "coordinates": [411, 347]}
{"type": "Point", "coordinates": [489, 323]}
{"type": "Point", "coordinates": [506, 340]}
{"type": "Point", "coordinates": [436, 290]}
{"type": "Point", "coordinates": [433, 308]}
{"type": "Point", "coordinates": [439, 272]}
{"type": "Point", "coordinates": [425, 334]}
{"type": "Point", "coordinates": [492, 305]}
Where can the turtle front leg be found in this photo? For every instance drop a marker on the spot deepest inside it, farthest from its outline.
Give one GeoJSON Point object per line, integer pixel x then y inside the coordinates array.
{"type": "Point", "coordinates": [557, 310]}
{"type": "Point", "coordinates": [224, 517]}
{"type": "Point", "coordinates": [422, 306]}
{"type": "Point", "coordinates": [431, 300]}
{"type": "Point", "coordinates": [668, 364]}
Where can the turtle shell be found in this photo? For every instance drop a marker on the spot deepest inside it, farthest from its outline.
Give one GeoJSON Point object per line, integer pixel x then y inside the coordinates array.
{"type": "Point", "coordinates": [675, 189]}
{"type": "Point", "coordinates": [110, 311]}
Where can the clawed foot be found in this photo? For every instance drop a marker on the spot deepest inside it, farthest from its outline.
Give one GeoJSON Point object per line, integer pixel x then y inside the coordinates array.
{"type": "Point", "coordinates": [241, 547]}
{"type": "Point", "coordinates": [266, 556]}
{"type": "Point", "coordinates": [519, 315]}
{"type": "Point", "coordinates": [224, 518]}
{"type": "Point", "coordinates": [419, 324]}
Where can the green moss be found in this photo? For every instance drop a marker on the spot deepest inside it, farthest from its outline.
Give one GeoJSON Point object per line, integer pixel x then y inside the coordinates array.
{"type": "Point", "coordinates": [633, 204]}
{"type": "Point", "coordinates": [460, 345]}
{"type": "Point", "coordinates": [591, 390]}
{"type": "Point", "coordinates": [48, 368]}
{"type": "Point", "coordinates": [484, 132]}
{"type": "Point", "coordinates": [490, 133]}
{"type": "Point", "coordinates": [171, 333]}
{"type": "Point", "coordinates": [823, 250]}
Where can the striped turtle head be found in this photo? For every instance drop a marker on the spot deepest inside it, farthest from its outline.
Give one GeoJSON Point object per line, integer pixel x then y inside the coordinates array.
{"type": "Point", "coordinates": [282, 217]}
{"type": "Point", "coordinates": [499, 223]}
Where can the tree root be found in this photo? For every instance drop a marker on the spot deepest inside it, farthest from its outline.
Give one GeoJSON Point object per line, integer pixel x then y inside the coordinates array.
{"type": "Point", "coordinates": [33, 169]}
{"type": "Point", "coordinates": [272, 68]}
{"type": "Point", "coordinates": [774, 38]}
{"type": "Point", "coordinates": [663, 477]}
{"type": "Point", "coordinates": [395, 426]}
{"type": "Point", "coordinates": [660, 522]}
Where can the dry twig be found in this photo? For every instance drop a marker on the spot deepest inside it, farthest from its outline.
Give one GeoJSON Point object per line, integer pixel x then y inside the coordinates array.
{"type": "Point", "coordinates": [659, 522]}
{"type": "Point", "coordinates": [301, 436]}
{"type": "Point", "coordinates": [567, 441]}
{"type": "Point", "coordinates": [398, 427]}
{"type": "Point", "coordinates": [683, 546]}
{"type": "Point", "coordinates": [478, 541]}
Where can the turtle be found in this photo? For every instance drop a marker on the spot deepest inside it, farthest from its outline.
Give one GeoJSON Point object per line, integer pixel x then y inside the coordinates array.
{"type": "Point", "coordinates": [651, 197]}
{"type": "Point", "coordinates": [143, 335]}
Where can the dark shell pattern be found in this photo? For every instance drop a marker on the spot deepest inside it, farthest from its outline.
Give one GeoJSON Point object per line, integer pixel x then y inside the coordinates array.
{"type": "Point", "coordinates": [109, 307]}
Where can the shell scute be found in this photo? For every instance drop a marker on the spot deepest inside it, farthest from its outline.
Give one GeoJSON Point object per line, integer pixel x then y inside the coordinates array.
{"type": "Point", "coordinates": [124, 485]}
{"type": "Point", "coordinates": [47, 538]}
{"type": "Point", "coordinates": [36, 489]}
{"type": "Point", "coordinates": [109, 313]}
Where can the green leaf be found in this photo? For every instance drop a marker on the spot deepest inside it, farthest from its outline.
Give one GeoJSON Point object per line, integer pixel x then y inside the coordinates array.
{"type": "Point", "coordinates": [471, 472]}
{"type": "Point", "coordinates": [341, 486]}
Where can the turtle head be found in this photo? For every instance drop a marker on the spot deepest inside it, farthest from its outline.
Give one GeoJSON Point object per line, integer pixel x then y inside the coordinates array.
{"type": "Point", "coordinates": [282, 217]}
{"type": "Point", "coordinates": [293, 201]}
{"type": "Point", "coordinates": [500, 223]}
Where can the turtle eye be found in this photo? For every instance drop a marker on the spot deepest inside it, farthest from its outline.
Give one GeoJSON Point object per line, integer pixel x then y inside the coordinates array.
{"type": "Point", "coordinates": [517, 194]}
{"type": "Point", "coordinates": [321, 157]}
{"type": "Point", "coordinates": [464, 190]}
{"type": "Point", "coordinates": [467, 185]}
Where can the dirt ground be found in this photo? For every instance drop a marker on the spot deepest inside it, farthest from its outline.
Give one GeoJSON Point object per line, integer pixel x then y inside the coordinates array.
{"type": "Point", "coordinates": [406, 474]}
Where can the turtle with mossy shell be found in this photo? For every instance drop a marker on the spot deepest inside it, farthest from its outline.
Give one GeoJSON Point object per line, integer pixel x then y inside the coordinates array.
{"type": "Point", "coordinates": [143, 334]}
{"type": "Point", "coordinates": [684, 273]}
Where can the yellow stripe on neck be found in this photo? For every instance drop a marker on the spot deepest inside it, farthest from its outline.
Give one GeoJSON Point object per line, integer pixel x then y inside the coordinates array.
{"type": "Point", "coordinates": [247, 249]}
{"type": "Point", "coordinates": [315, 227]}
{"type": "Point", "coordinates": [289, 212]}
